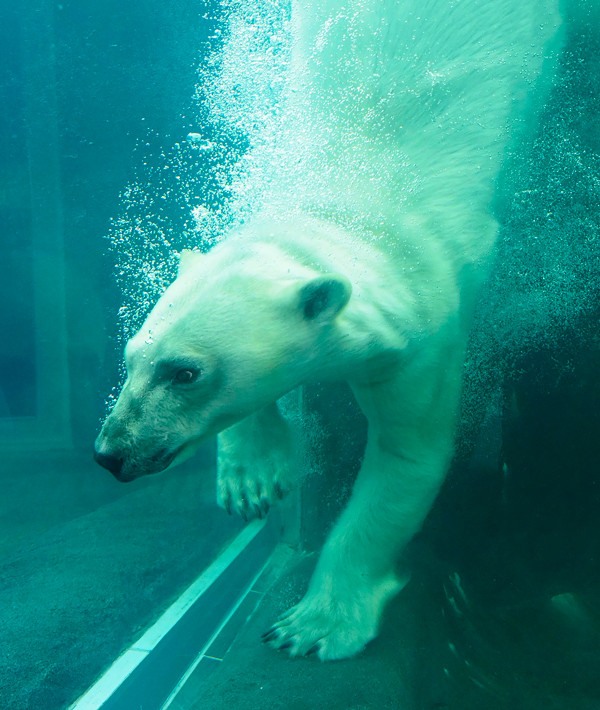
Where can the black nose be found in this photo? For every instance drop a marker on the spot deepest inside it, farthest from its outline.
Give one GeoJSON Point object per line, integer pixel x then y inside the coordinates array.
{"type": "Point", "coordinates": [112, 463]}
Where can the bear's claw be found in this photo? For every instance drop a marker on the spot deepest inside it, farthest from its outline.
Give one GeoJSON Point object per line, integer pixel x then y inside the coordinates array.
{"type": "Point", "coordinates": [264, 505]}
{"type": "Point", "coordinates": [270, 635]}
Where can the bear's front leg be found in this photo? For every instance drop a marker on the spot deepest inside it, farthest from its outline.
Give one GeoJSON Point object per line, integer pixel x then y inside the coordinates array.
{"type": "Point", "coordinates": [410, 441]}
{"type": "Point", "coordinates": [255, 463]}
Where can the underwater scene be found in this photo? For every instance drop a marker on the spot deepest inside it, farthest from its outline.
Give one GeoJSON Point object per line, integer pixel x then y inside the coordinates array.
{"type": "Point", "coordinates": [299, 392]}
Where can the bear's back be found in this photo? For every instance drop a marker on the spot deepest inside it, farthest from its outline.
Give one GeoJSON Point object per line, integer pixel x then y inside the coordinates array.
{"type": "Point", "coordinates": [401, 112]}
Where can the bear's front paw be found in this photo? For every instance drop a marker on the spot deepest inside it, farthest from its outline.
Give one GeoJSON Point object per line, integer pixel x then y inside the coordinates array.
{"type": "Point", "coordinates": [333, 625]}
{"type": "Point", "coordinates": [250, 493]}
{"type": "Point", "coordinates": [254, 470]}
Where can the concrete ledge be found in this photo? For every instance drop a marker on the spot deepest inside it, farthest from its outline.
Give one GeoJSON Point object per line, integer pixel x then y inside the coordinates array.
{"type": "Point", "coordinates": [146, 674]}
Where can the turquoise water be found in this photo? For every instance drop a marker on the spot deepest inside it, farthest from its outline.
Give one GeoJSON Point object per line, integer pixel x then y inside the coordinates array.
{"type": "Point", "coordinates": [121, 141]}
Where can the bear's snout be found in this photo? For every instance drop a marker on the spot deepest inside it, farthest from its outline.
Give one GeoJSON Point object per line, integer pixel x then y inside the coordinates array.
{"type": "Point", "coordinates": [115, 465]}
{"type": "Point", "coordinates": [127, 462]}
{"type": "Point", "coordinates": [109, 461]}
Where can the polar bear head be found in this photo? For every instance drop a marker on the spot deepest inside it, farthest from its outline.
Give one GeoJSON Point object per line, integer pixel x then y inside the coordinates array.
{"type": "Point", "coordinates": [238, 328]}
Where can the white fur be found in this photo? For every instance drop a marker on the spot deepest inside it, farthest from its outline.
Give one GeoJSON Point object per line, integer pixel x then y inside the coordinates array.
{"type": "Point", "coordinates": [363, 264]}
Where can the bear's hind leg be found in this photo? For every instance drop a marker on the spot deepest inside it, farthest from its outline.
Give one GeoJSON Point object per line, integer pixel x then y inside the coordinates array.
{"type": "Point", "coordinates": [254, 463]}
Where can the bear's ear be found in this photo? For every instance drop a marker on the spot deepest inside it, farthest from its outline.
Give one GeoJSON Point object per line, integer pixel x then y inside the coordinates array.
{"type": "Point", "coordinates": [324, 297]}
{"type": "Point", "coordinates": [187, 259]}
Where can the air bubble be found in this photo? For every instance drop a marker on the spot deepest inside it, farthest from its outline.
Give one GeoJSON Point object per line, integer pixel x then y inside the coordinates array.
{"type": "Point", "coordinates": [199, 143]}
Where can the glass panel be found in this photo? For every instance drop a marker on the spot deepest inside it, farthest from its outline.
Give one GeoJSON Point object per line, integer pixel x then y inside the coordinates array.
{"type": "Point", "coordinates": [126, 135]}
{"type": "Point", "coordinates": [17, 355]}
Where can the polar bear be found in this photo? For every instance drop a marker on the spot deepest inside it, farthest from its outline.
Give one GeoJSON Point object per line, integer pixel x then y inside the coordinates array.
{"type": "Point", "coordinates": [361, 262]}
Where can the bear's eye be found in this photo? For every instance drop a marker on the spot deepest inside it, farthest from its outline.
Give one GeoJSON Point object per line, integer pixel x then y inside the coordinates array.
{"type": "Point", "coordinates": [186, 376]}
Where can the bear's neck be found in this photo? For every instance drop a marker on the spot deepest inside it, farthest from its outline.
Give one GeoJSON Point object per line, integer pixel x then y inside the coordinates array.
{"type": "Point", "coordinates": [392, 303]}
